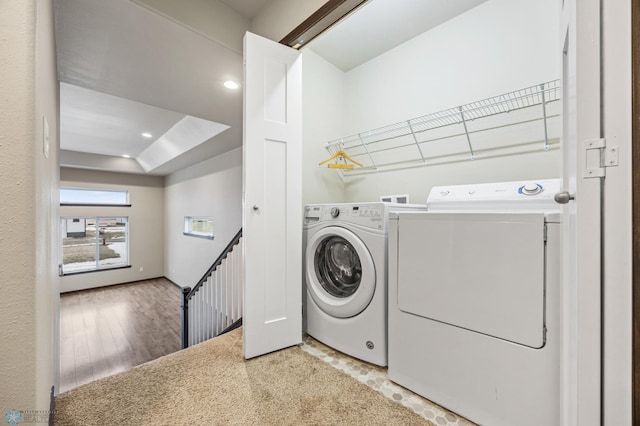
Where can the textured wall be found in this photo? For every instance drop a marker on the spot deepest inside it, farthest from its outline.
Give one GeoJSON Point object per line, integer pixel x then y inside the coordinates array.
{"type": "Point", "coordinates": [17, 209]}
{"type": "Point", "coordinates": [28, 187]}
{"type": "Point", "coordinates": [45, 167]}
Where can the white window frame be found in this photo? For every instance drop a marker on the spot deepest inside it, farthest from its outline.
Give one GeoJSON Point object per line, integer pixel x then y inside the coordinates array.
{"type": "Point", "coordinates": [188, 227]}
{"type": "Point", "coordinates": [96, 201]}
{"type": "Point", "coordinates": [126, 263]}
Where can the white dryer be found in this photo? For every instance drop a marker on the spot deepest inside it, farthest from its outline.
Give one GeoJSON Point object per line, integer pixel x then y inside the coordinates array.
{"type": "Point", "coordinates": [345, 273]}
{"type": "Point", "coordinates": [474, 302]}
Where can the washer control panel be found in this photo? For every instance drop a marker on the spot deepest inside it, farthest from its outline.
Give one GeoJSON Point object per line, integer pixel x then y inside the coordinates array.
{"type": "Point", "coordinates": [366, 214]}
{"type": "Point", "coordinates": [370, 215]}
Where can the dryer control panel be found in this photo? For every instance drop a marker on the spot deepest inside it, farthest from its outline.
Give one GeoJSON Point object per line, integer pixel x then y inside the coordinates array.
{"type": "Point", "coordinates": [503, 196]}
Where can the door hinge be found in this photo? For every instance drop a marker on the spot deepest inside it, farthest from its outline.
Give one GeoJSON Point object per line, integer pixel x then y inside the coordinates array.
{"type": "Point", "coordinates": [544, 233]}
{"type": "Point", "coordinates": [598, 156]}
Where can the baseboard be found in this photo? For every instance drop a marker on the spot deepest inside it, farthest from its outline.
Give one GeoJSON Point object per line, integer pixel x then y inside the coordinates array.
{"type": "Point", "coordinates": [114, 285]}
{"type": "Point", "coordinates": [174, 283]}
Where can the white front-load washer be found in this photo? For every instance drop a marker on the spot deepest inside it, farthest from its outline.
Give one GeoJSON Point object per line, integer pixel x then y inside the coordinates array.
{"type": "Point", "coordinates": [345, 274]}
{"type": "Point", "coordinates": [475, 302]}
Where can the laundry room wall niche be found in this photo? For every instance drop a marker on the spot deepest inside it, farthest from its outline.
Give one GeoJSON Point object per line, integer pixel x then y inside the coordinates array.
{"type": "Point", "coordinates": [492, 47]}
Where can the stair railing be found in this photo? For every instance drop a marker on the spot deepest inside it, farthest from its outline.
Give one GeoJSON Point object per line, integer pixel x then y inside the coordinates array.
{"type": "Point", "coordinates": [214, 305]}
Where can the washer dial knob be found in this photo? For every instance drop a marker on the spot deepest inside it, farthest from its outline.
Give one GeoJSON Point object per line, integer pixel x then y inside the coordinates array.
{"type": "Point", "coordinates": [335, 212]}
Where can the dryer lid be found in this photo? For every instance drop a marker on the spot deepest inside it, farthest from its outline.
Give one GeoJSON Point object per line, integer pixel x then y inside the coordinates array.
{"type": "Point", "coordinates": [484, 272]}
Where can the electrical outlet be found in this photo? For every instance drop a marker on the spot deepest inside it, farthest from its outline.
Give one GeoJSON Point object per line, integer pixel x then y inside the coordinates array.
{"type": "Point", "coordinates": [141, 269]}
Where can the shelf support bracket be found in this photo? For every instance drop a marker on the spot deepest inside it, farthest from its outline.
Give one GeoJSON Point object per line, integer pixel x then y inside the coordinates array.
{"type": "Point", "coordinates": [415, 139]}
{"type": "Point", "coordinates": [364, 144]}
{"type": "Point", "coordinates": [466, 131]}
{"type": "Point", "coordinates": [544, 116]}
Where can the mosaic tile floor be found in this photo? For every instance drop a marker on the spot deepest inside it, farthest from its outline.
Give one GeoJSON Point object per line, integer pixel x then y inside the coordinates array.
{"type": "Point", "coordinates": [376, 378]}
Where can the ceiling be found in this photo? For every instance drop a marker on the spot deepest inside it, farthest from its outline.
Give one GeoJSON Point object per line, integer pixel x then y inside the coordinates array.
{"type": "Point", "coordinates": [381, 25]}
{"type": "Point", "coordinates": [247, 8]}
{"type": "Point", "coordinates": [126, 70]}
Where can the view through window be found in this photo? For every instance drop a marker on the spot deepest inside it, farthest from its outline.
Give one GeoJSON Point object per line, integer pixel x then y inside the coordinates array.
{"type": "Point", "coordinates": [94, 243]}
{"type": "Point", "coordinates": [82, 196]}
{"type": "Point", "coordinates": [198, 226]}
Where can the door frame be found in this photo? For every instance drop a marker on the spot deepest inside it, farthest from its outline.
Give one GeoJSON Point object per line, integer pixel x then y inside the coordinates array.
{"type": "Point", "coordinates": [635, 132]}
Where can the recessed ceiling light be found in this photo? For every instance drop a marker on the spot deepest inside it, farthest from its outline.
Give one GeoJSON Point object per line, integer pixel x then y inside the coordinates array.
{"type": "Point", "coordinates": [126, 155]}
{"type": "Point", "coordinates": [230, 84]}
{"type": "Point", "coordinates": [146, 135]}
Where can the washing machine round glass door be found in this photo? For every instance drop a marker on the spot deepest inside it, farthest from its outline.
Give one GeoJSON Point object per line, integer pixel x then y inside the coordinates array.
{"type": "Point", "coordinates": [340, 272]}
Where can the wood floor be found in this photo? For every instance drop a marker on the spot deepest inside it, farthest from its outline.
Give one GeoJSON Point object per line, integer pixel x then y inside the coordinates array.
{"type": "Point", "coordinates": [108, 330]}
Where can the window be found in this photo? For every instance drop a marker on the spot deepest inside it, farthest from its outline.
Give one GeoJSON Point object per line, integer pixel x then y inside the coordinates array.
{"type": "Point", "coordinates": [101, 197]}
{"type": "Point", "coordinates": [198, 226]}
{"type": "Point", "coordinates": [94, 243]}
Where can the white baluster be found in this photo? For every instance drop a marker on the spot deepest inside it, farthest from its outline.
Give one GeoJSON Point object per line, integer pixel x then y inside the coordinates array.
{"type": "Point", "coordinates": [232, 287]}
{"type": "Point", "coordinates": [196, 320]}
{"type": "Point", "coordinates": [225, 313]}
{"type": "Point", "coordinates": [192, 323]}
{"type": "Point", "coordinates": [210, 307]}
{"type": "Point", "coordinates": [241, 280]}
{"type": "Point", "coordinates": [218, 294]}
{"type": "Point", "coordinates": [200, 313]}
{"type": "Point", "coordinates": [205, 314]}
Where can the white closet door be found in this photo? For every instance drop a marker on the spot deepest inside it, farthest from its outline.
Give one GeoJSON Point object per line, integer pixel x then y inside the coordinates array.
{"type": "Point", "coordinates": [272, 199]}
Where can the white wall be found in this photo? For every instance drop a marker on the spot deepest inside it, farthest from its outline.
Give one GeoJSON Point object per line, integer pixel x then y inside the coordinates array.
{"type": "Point", "coordinates": [211, 188]}
{"type": "Point", "coordinates": [497, 47]}
{"type": "Point", "coordinates": [146, 225]}
{"type": "Point", "coordinates": [29, 283]}
{"type": "Point", "coordinates": [322, 120]}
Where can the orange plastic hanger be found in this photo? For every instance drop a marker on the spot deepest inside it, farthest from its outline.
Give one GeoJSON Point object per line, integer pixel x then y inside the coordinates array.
{"type": "Point", "coordinates": [345, 156]}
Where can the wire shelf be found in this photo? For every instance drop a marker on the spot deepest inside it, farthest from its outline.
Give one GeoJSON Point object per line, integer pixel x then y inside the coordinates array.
{"type": "Point", "coordinates": [458, 123]}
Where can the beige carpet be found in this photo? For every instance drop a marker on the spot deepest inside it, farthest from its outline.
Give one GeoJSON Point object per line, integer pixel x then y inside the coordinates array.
{"type": "Point", "coordinates": [212, 384]}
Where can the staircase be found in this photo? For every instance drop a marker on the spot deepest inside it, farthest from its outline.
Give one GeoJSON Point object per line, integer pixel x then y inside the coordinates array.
{"type": "Point", "coordinates": [214, 305]}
